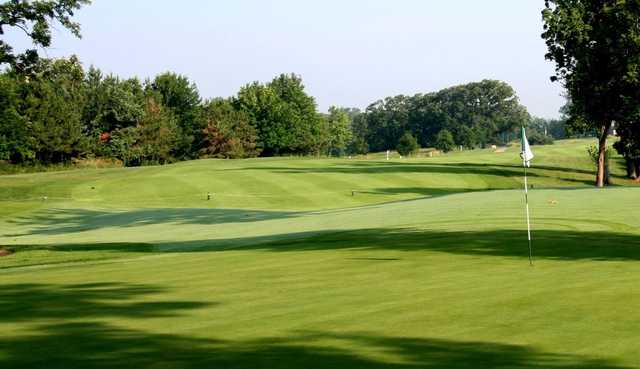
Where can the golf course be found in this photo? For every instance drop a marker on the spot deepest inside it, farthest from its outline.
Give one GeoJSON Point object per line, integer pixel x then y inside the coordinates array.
{"type": "Point", "coordinates": [321, 263]}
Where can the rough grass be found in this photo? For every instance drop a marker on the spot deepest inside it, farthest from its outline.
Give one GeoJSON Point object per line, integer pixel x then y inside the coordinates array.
{"type": "Point", "coordinates": [423, 268]}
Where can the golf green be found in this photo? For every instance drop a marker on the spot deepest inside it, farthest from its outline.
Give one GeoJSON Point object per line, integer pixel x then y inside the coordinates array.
{"type": "Point", "coordinates": [322, 263]}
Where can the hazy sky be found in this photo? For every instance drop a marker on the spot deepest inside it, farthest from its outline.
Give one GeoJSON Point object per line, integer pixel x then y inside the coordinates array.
{"type": "Point", "coordinates": [349, 52]}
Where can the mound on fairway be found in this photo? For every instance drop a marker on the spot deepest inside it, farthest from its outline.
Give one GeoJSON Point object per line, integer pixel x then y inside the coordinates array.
{"type": "Point", "coordinates": [328, 263]}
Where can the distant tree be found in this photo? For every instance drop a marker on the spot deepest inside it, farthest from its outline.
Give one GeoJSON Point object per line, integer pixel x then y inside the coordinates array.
{"type": "Point", "coordinates": [340, 134]}
{"type": "Point", "coordinates": [407, 145]}
{"type": "Point", "coordinates": [284, 115]}
{"type": "Point", "coordinates": [554, 128]}
{"type": "Point", "coordinates": [467, 137]}
{"type": "Point", "coordinates": [151, 141]}
{"type": "Point", "coordinates": [444, 141]}
{"type": "Point", "coordinates": [122, 145]}
{"type": "Point", "coordinates": [52, 104]}
{"type": "Point", "coordinates": [228, 132]}
{"type": "Point", "coordinates": [181, 96]}
{"type": "Point", "coordinates": [476, 114]}
{"type": "Point", "coordinates": [596, 48]}
{"type": "Point", "coordinates": [387, 120]}
{"type": "Point", "coordinates": [536, 137]}
{"type": "Point", "coordinates": [265, 110]}
{"type": "Point", "coordinates": [359, 132]}
{"type": "Point", "coordinates": [111, 102]}
{"type": "Point", "coordinates": [490, 108]}
{"type": "Point", "coordinates": [14, 136]}
{"type": "Point", "coordinates": [35, 19]}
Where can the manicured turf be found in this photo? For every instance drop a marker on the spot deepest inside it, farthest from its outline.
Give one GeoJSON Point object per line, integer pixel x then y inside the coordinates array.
{"type": "Point", "coordinates": [425, 266]}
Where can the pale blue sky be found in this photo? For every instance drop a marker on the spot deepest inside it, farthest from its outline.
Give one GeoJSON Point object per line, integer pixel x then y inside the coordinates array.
{"type": "Point", "coordinates": [349, 53]}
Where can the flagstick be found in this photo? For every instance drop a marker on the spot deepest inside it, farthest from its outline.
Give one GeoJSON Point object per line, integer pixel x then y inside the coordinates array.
{"type": "Point", "coordinates": [526, 200]}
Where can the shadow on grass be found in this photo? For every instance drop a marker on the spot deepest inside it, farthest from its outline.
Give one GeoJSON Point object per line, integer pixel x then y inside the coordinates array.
{"type": "Point", "coordinates": [384, 167]}
{"type": "Point", "coordinates": [95, 345]}
{"type": "Point", "coordinates": [60, 221]}
{"type": "Point", "coordinates": [421, 191]}
{"type": "Point", "coordinates": [376, 166]}
{"type": "Point", "coordinates": [548, 244]}
{"type": "Point", "coordinates": [30, 302]}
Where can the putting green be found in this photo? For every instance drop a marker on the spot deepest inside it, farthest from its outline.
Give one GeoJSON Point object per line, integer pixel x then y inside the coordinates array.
{"type": "Point", "coordinates": [425, 266]}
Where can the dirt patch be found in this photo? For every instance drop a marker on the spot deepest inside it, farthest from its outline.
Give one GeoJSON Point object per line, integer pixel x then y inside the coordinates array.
{"type": "Point", "coordinates": [5, 252]}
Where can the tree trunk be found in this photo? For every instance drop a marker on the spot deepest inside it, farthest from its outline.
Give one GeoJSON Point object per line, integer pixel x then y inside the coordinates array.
{"type": "Point", "coordinates": [601, 176]}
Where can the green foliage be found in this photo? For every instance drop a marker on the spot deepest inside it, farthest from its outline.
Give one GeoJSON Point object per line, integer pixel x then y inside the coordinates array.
{"type": "Point", "coordinates": [477, 113]}
{"type": "Point", "coordinates": [407, 144]}
{"type": "Point", "coordinates": [122, 145]}
{"type": "Point", "coordinates": [52, 104]}
{"type": "Point", "coordinates": [111, 103]}
{"type": "Point", "coordinates": [359, 133]}
{"type": "Point", "coordinates": [13, 131]}
{"type": "Point", "coordinates": [538, 138]}
{"type": "Point", "coordinates": [284, 116]}
{"type": "Point", "coordinates": [228, 132]}
{"type": "Point", "coordinates": [596, 48]}
{"type": "Point", "coordinates": [555, 128]}
{"type": "Point", "coordinates": [629, 147]}
{"type": "Point", "coordinates": [444, 141]}
{"type": "Point", "coordinates": [181, 96]}
{"type": "Point", "coordinates": [157, 133]}
{"type": "Point", "coordinates": [35, 19]}
{"type": "Point", "coordinates": [339, 126]}
{"type": "Point", "coordinates": [593, 153]}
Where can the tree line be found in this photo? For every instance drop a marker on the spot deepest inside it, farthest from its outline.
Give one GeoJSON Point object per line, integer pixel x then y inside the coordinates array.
{"type": "Point", "coordinates": [61, 111]}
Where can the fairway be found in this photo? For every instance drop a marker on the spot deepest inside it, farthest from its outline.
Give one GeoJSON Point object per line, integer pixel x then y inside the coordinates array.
{"type": "Point", "coordinates": [322, 263]}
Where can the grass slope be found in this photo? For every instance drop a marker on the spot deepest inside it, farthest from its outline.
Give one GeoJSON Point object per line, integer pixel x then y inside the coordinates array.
{"type": "Point", "coordinates": [284, 268]}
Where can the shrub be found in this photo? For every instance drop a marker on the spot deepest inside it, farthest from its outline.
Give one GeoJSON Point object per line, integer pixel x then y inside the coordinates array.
{"type": "Point", "coordinates": [537, 138]}
{"type": "Point", "coordinates": [444, 141]}
{"type": "Point", "coordinates": [407, 144]}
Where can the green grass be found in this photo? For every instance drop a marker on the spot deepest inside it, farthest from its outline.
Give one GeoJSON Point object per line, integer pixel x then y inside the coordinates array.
{"type": "Point", "coordinates": [424, 267]}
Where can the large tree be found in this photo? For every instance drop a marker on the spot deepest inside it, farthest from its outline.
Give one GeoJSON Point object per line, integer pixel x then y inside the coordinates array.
{"type": "Point", "coordinates": [181, 96]}
{"type": "Point", "coordinates": [14, 136]}
{"type": "Point", "coordinates": [339, 130]}
{"type": "Point", "coordinates": [595, 45]}
{"type": "Point", "coordinates": [52, 102]}
{"type": "Point", "coordinates": [284, 115]}
{"type": "Point", "coordinates": [35, 19]}
{"type": "Point", "coordinates": [228, 133]}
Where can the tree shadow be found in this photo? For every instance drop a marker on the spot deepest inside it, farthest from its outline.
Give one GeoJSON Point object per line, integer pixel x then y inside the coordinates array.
{"type": "Point", "coordinates": [420, 191]}
{"type": "Point", "coordinates": [547, 244]}
{"type": "Point", "coordinates": [60, 221]}
{"type": "Point", "coordinates": [382, 167]}
{"type": "Point", "coordinates": [483, 169]}
{"type": "Point", "coordinates": [31, 302]}
{"type": "Point", "coordinates": [94, 345]}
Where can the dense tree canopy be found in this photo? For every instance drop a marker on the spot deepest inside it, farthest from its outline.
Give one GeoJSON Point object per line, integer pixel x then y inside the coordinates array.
{"type": "Point", "coordinates": [62, 112]}
{"type": "Point", "coordinates": [181, 96]}
{"type": "Point", "coordinates": [228, 132]}
{"type": "Point", "coordinates": [476, 114]}
{"type": "Point", "coordinates": [284, 115]}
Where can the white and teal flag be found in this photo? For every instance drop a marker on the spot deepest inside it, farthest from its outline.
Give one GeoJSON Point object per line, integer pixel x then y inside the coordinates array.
{"type": "Point", "coordinates": [525, 150]}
